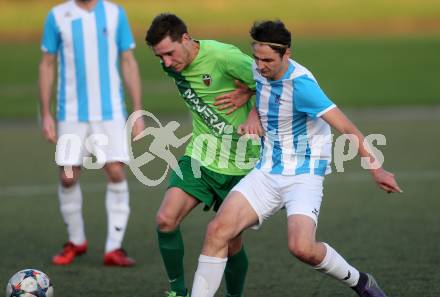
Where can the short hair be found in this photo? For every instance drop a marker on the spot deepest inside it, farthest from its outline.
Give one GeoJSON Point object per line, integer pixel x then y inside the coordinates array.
{"type": "Point", "coordinates": [272, 32]}
{"type": "Point", "coordinates": [163, 25]}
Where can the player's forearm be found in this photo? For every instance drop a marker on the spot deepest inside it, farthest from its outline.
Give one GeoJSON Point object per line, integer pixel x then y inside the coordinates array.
{"type": "Point", "coordinates": [130, 71]}
{"type": "Point", "coordinates": [340, 122]}
{"type": "Point", "coordinates": [45, 82]}
{"type": "Point", "coordinates": [134, 88]}
{"type": "Point", "coordinates": [253, 113]}
{"type": "Point", "coordinates": [363, 151]}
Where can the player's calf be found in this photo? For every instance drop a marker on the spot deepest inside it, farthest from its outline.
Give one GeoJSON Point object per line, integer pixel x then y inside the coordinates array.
{"type": "Point", "coordinates": [235, 245]}
{"type": "Point", "coordinates": [305, 251]}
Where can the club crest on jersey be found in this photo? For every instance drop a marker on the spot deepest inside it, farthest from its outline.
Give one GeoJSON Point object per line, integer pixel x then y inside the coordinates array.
{"type": "Point", "coordinates": [207, 79]}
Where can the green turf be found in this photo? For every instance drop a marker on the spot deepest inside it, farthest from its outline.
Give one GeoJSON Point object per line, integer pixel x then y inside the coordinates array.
{"type": "Point", "coordinates": [394, 237]}
{"type": "Point", "coordinates": [353, 72]}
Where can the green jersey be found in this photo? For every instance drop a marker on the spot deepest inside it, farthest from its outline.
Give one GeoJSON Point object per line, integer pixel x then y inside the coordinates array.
{"type": "Point", "coordinates": [214, 141]}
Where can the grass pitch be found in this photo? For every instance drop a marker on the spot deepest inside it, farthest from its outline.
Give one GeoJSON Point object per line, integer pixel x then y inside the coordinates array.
{"type": "Point", "coordinates": [353, 72]}
{"type": "Point", "coordinates": [395, 237]}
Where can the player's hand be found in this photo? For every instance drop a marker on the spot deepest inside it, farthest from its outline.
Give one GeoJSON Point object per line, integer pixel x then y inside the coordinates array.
{"type": "Point", "coordinates": [233, 100]}
{"type": "Point", "coordinates": [138, 127]}
{"type": "Point", "coordinates": [250, 131]}
{"type": "Point", "coordinates": [386, 181]}
{"type": "Point", "coordinates": [252, 126]}
{"type": "Point", "coordinates": [48, 128]}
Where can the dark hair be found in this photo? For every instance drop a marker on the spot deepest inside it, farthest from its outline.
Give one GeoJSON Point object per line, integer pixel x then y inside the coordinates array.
{"type": "Point", "coordinates": [273, 32]}
{"type": "Point", "coordinates": [163, 25]}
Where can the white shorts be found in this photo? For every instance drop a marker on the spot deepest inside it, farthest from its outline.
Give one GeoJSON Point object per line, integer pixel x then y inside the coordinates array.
{"type": "Point", "coordinates": [267, 193]}
{"type": "Point", "coordinates": [77, 141]}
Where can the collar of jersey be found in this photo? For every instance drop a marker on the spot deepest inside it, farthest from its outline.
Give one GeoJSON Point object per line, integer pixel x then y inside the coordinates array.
{"type": "Point", "coordinates": [84, 11]}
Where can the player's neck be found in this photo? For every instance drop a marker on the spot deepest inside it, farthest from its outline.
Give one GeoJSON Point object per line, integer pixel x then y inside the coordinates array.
{"type": "Point", "coordinates": [86, 5]}
{"type": "Point", "coordinates": [194, 50]}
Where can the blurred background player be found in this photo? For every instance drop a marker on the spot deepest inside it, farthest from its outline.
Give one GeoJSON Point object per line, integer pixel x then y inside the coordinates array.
{"type": "Point", "coordinates": [87, 38]}
{"type": "Point", "coordinates": [296, 116]}
{"type": "Point", "coordinates": [202, 70]}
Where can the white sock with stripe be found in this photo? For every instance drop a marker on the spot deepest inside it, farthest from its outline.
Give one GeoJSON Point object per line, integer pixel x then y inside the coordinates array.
{"type": "Point", "coordinates": [335, 266]}
{"type": "Point", "coordinates": [118, 211]}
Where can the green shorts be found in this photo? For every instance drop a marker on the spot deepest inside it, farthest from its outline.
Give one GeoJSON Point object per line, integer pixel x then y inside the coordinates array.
{"type": "Point", "coordinates": [211, 188]}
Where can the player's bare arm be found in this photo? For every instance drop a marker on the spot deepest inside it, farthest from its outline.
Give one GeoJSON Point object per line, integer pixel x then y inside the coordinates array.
{"type": "Point", "coordinates": [46, 74]}
{"type": "Point", "coordinates": [385, 180]}
{"type": "Point", "coordinates": [130, 72]}
{"type": "Point", "coordinates": [252, 126]}
{"type": "Point", "coordinates": [235, 99]}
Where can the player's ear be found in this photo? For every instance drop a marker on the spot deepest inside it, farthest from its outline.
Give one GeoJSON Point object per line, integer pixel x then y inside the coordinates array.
{"type": "Point", "coordinates": [286, 55]}
{"type": "Point", "coordinates": [185, 38]}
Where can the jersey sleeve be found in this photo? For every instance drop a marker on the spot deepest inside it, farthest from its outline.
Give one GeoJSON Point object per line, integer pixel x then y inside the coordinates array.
{"type": "Point", "coordinates": [310, 98]}
{"type": "Point", "coordinates": [51, 35]}
{"type": "Point", "coordinates": [125, 39]}
{"type": "Point", "coordinates": [239, 66]}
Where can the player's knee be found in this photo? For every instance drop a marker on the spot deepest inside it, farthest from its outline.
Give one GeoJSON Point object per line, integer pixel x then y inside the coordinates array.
{"type": "Point", "coordinates": [303, 250]}
{"type": "Point", "coordinates": [212, 229]}
{"type": "Point", "coordinates": [116, 176]}
{"type": "Point", "coordinates": [166, 222]}
{"type": "Point", "coordinates": [115, 173]}
{"type": "Point", "coordinates": [216, 233]}
{"type": "Point", "coordinates": [68, 181]}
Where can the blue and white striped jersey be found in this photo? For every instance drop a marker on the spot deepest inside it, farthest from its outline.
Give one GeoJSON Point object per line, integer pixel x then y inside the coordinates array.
{"type": "Point", "coordinates": [297, 140]}
{"type": "Point", "coordinates": [88, 45]}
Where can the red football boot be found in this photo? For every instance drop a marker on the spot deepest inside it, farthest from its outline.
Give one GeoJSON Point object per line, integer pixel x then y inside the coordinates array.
{"type": "Point", "coordinates": [118, 257]}
{"type": "Point", "coordinates": [69, 252]}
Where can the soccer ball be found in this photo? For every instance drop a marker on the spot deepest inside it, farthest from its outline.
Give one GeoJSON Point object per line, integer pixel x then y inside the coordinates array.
{"type": "Point", "coordinates": [29, 283]}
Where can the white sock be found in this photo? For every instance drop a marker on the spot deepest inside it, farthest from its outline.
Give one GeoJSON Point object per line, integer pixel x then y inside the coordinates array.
{"type": "Point", "coordinates": [118, 210]}
{"type": "Point", "coordinates": [71, 210]}
{"type": "Point", "coordinates": [334, 265]}
{"type": "Point", "coordinates": [208, 276]}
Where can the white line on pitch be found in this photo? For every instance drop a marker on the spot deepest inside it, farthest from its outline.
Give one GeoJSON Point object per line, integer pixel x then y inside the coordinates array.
{"type": "Point", "coordinates": [96, 187]}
